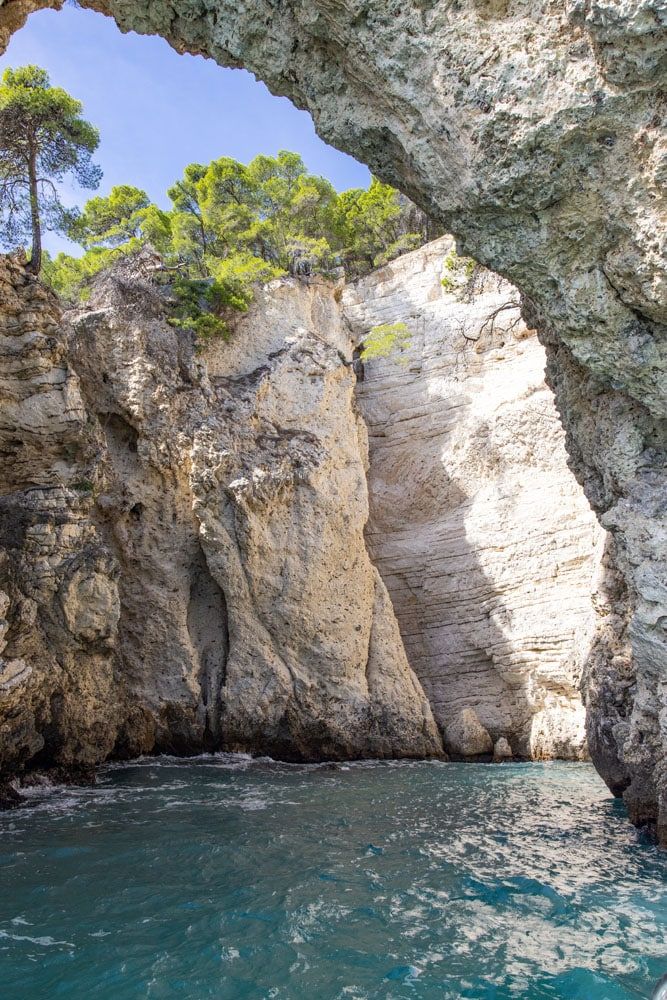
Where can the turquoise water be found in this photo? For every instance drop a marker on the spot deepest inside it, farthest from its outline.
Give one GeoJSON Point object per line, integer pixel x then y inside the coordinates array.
{"type": "Point", "coordinates": [226, 878]}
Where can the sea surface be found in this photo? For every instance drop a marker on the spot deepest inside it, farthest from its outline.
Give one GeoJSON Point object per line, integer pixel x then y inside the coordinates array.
{"type": "Point", "coordinates": [231, 878]}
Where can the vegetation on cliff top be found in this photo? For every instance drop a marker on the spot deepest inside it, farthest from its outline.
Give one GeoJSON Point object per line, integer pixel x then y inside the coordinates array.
{"type": "Point", "coordinates": [230, 225]}
{"type": "Point", "coordinates": [240, 224]}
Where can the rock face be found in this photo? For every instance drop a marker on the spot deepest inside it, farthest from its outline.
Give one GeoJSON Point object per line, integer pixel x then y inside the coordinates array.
{"type": "Point", "coordinates": [184, 565]}
{"type": "Point", "coordinates": [502, 751]}
{"type": "Point", "coordinates": [535, 133]}
{"type": "Point", "coordinates": [466, 736]}
{"type": "Point", "coordinates": [58, 580]}
{"type": "Point", "coordinates": [316, 665]}
{"type": "Point", "coordinates": [617, 450]}
{"type": "Point", "coordinates": [485, 540]}
{"type": "Point", "coordinates": [186, 537]}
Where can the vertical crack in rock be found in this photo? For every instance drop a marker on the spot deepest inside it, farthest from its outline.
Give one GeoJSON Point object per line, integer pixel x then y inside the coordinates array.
{"type": "Point", "coordinates": [142, 383]}
{"type": "Point", "coordinates": [208, 628]}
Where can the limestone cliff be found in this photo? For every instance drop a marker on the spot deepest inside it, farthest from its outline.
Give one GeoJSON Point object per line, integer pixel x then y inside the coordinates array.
{"type": "Point", "coordinates": [534, 131]}
{"type": "Point", "coordinates": [195, 574]}
{"type": "Point", "coordinates": [58, 580]}
{"type": "Point", "coordinates": [183, 551]}
{"type": "Point", "coordinates": [242, 503]}
{"type": "Point", "coordinates": [485, 540]}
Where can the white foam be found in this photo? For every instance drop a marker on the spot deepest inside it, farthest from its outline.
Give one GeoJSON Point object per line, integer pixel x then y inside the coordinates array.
{"type": "Point", "coordinates": [44, 942]}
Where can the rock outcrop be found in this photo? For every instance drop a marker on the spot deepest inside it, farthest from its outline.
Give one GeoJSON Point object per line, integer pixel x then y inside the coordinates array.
{"type": "Point", "coordinates": [466, 737]}
{"type": "Point", "coordinates": [184, 566]}
{"type": "Point", "coordinates": [502, 751]}
{"type": "Point", "coordinates": [316, 660]}
{"type": "Point", "coordinates": [485, 540]}
{"type": "Point", "coordinates": [58, 580]}
{"type": "Point", "coordinates": [535, 133]}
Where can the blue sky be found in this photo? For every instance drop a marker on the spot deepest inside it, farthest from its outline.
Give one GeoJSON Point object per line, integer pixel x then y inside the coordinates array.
{"type": "Point", "coordinates": [158, 111]}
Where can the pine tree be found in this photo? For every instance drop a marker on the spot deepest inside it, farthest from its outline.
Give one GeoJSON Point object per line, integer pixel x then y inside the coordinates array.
{"type": "Point", "coordinates": [42, 139]}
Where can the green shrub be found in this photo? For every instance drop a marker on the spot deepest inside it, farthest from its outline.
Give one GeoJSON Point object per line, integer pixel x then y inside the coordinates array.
{"type": "Point", "coordinates": [238, 273]}
{"type": "Point", "coordinates": [384, 340]}
{"type": "Point", "coordinates": [70, 276]}
{"type": "Point", "coordinates": [199, 306]}
{"type": "Point", "coordinates": [456, 271]}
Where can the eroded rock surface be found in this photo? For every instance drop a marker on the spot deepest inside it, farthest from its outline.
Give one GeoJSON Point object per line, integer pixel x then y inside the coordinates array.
{"type": "Point", "coordinates": [617, 450]}
{"type": "Point", "coordinates": [212, 584]}
{"type": "Point", "coordinates": [58, 579]}
{"type": "Point", "coordinates": [534, 131]}
{"type": "Point", "coordinates": [486, 542]}
{"type": "Point", "coordinates": [316, 659]}
{"type": "Point", "coordinates": [466, 737]}
{"type": "Point", "coordinates": [184, 566]}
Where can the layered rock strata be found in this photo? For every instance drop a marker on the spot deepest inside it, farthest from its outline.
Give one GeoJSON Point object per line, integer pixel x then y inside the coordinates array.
{"type": "Point", "coordinates": [486, 542]}
{"type": "Point", "coordinates": [59, 597]}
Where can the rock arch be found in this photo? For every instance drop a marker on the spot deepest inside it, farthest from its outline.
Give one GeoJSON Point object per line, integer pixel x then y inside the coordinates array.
{"type": "Point", "coordinates": [534, 130]}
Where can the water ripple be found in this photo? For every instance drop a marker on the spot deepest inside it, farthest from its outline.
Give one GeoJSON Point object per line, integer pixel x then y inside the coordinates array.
{"type": "Point", "coordinates": [227, 877]}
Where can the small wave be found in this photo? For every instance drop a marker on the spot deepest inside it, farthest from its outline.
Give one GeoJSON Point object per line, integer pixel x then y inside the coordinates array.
{"type": "Point", "coordinates": [44, 942]}
{"type": "Point", "coordinates": [232, 760]}
{"type": "Point", "coordinates": [243, 761]}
